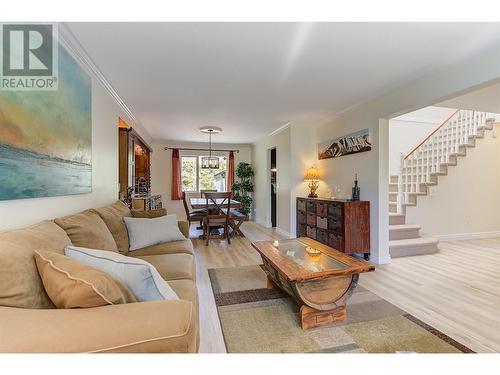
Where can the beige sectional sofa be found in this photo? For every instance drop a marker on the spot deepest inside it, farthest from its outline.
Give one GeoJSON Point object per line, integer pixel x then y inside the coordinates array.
{"type": "Point", "coordinates": [30, 323]}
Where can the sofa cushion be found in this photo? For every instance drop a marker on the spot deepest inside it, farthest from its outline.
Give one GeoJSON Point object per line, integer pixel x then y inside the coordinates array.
{"type": "Point", "coordinates": [71, 284]}
{"type": "Point", "coordinates": [113, 216]}
{"type": "Point", "coordinates": [87, 229]}
{"type": "Point", "coordinates": [149, 232]}
{"type": "Point", "coordinates": [139, 276]}
{"type": "Point", "coordinates": [147, 327]}
{"type": "Point", "coordinates": [173, 266]}
{"type": "Point", "coordinates": [20, 283]}
{"type": "Point", "coordinates": [151, 214]}
{"type": "Point", "coordinates": [186, 290]}
{"type": "Point", "coordinates": [176, 247]}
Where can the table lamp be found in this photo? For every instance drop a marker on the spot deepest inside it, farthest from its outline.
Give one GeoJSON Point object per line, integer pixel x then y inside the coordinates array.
{"type": "Point", "coordinates": [312, 175]}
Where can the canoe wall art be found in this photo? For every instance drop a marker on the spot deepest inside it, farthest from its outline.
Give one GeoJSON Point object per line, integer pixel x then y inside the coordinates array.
{"type": "Point", "coordinates": [46, 137]}
{"type": "Point", "coordinates": [348, 144]}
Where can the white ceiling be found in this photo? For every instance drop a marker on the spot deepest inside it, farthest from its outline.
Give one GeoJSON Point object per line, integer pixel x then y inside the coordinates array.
{"type": "Point", "coordinates": [251, 78]}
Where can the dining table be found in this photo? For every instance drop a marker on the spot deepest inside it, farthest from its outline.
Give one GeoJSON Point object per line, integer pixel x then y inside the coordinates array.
{"type": "Point", "coordinates": [201, 203]}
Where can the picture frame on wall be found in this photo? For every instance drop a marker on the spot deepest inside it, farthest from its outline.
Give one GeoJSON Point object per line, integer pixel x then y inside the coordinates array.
{"type": "Point", "coordinates": [46, 137]}
{"type": "Point", "coordinates": [352, 143]}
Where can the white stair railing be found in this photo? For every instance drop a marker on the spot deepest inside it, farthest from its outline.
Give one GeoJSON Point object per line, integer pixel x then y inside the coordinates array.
{"type": "Point", "coordinates": [440, 148]}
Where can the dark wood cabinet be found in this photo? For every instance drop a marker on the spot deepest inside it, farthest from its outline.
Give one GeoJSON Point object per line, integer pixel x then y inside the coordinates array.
{"type": "Point", "coordinates": [134, 162]}
{"type": "Point", "coordinates": [135, 170]}
{"type": "Point", "coordinates": [340, 224]}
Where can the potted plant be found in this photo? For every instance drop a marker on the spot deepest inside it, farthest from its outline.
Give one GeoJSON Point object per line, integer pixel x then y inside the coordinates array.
{"type": "Point", "coordinates": [244, 187]}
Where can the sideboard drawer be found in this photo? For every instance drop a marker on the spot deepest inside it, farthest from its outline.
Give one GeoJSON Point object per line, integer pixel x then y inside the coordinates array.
{"type": "Point", "coordinates": [301, 205]}
{"type": "Point", "coordinates": [335, 241]}
{"type": "Point", "coordinates": [322, 236]}
{"type": "Point", "coordinates": [310, 206]}
{"type": "Point", "coordinates": [322, 222]}
{"type": "Point", "coordinates": [311, 232]}
{"type": "Point", "coordinates": [335, 225]}
{"type": "Point", "coordinates": [301, 217]}
{"type": "Point", "coordinates": [335, 210]}
{"type": "Point", "coordinates": [321, 209]}
{"type": "Point", "coordinates": [311, 219]}
{"type": "Point", "coordinates": [301, 230]}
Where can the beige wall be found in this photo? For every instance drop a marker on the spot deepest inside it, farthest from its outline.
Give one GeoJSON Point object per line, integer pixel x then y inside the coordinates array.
{"type": "Point", "coordinates": [466, 202]}
{"type": "Point", "coordinates": [161, 168]}
{"type": "Point", "coordinates": [105, 112]}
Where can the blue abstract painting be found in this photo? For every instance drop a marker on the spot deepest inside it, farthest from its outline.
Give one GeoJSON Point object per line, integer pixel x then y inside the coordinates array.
{"type": "Point", "coordinates": [46, 137]}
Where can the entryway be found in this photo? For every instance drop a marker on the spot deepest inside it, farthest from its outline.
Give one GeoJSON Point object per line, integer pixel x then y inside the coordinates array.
{"type": "Point", "coordinates": [274, 180]}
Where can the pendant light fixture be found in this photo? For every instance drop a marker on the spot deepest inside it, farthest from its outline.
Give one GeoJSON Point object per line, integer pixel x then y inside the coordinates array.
{"type": "Point", "coordinates": [210, 162]}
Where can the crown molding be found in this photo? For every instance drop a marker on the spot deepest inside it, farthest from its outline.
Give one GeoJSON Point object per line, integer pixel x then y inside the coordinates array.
{"type": "Point", "coordinates": [280, 129]}
{"type": "Point", "coordinates": [68, 40]}
{"type": "Point", "coordinates": [422, 120]}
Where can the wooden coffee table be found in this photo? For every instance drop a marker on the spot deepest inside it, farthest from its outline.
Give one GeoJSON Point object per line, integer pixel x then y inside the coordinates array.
{"type": "Point", "coordinates": [320, 284]}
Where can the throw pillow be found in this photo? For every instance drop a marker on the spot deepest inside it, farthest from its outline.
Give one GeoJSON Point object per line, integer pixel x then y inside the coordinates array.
{"type": "Point", "coordinates": [139, 276]}
{"type": "Point", "coordinates": [148, 232]}
{"type": "Point", "coordinates": [151, 214]}
{"type": "Point", "coordinates": [71, 284]}
{"type": "Point", "coordinates": [112, 215]}
{"type": "Point", "coordinates": [87, 229]}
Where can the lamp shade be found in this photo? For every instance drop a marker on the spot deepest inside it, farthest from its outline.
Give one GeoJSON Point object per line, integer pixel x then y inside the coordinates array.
{"type": "Point", "coordinates": [312, 174]}
{"type": "Point", "coordinates": [209, 162]}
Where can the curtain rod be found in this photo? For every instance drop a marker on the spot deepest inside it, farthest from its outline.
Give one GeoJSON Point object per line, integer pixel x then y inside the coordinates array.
{"type": "Point", "coordinates": [198, 149]}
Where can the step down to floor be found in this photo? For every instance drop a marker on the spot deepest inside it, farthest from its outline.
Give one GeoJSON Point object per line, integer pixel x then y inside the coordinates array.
{"type": "Point", "coordinates": [396, 219]}
{"type": "Point", "coordinates": [414, 246]}
{"type": "Point", "coordinates": [403, 232]}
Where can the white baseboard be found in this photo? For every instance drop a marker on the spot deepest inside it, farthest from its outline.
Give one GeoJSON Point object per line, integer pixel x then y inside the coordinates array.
{"type": "Point", "coordinates": [468, 236]}
{"type": "Point", "coordinates": [282, 232]}
{"type": "Point", "coordinates": [262, 222]}
{"type": "Point", "coordinates": [268, 225]}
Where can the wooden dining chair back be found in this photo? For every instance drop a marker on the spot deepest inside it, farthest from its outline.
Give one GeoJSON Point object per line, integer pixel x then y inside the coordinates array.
{"type": "Point", "coordinates": [191, 214]}
{"type": "Point", "coordinates": [202, 192]}
{"type": "Point", "coordinates": [218, 208]}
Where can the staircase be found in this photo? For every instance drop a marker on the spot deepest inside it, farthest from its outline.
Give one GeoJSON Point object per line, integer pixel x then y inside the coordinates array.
{"type": "Point", "coordinates": [422, 168]}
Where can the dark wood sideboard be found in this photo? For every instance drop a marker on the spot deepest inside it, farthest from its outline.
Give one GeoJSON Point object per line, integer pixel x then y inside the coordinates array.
{"type": "Point", "coordinates": [340, 224]}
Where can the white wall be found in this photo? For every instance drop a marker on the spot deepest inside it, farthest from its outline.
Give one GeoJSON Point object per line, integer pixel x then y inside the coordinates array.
{"type": "Point", "coordinates": [373, 167]}
{"type": "Point", "coordinates": [105, 112]}
{"type": "Point", "coordinates": [408, 130]}
{"type": "Point", "coordinates": [161, 168]}
{"type": "Point", "coordinates": [466, 202]}
{"type": "Point", "coordinates": [261, 161]}
{"type": "Point", "coordinates": [403, 137]}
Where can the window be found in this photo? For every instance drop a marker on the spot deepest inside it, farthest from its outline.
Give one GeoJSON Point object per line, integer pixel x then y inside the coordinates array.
{"type": "Point", "coordinates": [194, 178]}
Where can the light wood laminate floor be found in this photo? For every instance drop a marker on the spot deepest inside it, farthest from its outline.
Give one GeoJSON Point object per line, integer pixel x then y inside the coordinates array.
{"type": "Point", "coordinates": [456, 290]}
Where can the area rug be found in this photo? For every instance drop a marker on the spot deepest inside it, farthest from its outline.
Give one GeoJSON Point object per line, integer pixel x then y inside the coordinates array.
{"type": "Point", "coordinates": [255, 319]}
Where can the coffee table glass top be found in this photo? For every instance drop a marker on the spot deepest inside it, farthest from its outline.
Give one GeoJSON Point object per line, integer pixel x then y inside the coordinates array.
{"type": "Point", "coordinates": [295, 249]}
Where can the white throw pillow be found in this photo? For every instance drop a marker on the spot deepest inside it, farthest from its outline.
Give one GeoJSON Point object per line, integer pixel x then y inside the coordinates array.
{"type": "Point", "coordinates": [139, 276]}
{"type": "Point", "coordinates": [147, 232]}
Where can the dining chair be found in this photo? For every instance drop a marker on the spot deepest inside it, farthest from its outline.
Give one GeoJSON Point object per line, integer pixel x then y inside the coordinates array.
{"type": "Point", "coordinates": [236, 218]}
{"type": "Point", "coordinates": [217, 212]}
{"type": "Point", "coordinates": [192, 215]}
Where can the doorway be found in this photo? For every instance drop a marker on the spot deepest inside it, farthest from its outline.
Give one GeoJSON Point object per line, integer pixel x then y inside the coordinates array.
{"type": "Point", "coordinates": [274, 172]}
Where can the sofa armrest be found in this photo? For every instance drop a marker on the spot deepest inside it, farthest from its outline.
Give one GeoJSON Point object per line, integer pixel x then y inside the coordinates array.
{"type": "Point", "coordinates": [152, 327]}
{"type": "Point", "coordinates": [184, 227]}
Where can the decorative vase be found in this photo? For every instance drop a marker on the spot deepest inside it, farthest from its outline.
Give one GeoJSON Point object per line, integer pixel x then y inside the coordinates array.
{"type": "Point", "coordinates": [355, 189]}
